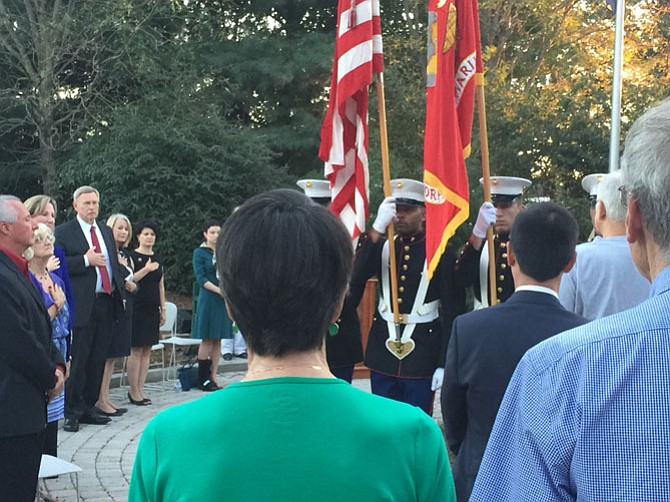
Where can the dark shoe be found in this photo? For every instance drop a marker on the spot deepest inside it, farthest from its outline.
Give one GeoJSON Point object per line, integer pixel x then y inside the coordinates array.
{"type": "Point", "coordinates": [141, 402]}
{"type": "Point", "coordinates": [147, 401]}
{"type": "Point", "coordinates": [243, 355]}
{"type": "Point", "coordinates": [227, 356]}
{"type": "Point", "coordinates": [116, 413]}
{"type": "Point", "coordinates": [71, 425]}
{"type": "Point", "coordinates": [209, 386]}
{"type": "Point", "coordinates": [94, 418]}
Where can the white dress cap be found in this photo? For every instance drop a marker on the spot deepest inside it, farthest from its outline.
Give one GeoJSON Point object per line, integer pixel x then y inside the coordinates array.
{"type": "Point", "coordinates": [315, 189]}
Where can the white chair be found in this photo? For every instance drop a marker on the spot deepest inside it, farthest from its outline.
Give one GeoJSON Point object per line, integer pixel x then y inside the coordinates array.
{"type": "Point", "coordinates": [54, 466]}
{"type": "Point", "coordinates": [175, 339]}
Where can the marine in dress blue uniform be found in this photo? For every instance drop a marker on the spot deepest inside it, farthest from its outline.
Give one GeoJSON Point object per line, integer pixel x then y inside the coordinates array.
{"type": "Point", "coordinates": [411, 370]}
{"type": "Point", "coordinates": [472, 264]}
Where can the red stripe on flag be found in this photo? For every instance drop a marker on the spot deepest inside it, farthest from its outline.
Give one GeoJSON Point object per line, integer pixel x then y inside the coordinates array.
{"type": "Point", "coordinates": [344, 133]}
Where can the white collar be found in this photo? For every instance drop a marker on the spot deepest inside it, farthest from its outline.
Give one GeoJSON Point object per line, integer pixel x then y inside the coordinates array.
{"type": "Point", "coordinates": [537, 289]}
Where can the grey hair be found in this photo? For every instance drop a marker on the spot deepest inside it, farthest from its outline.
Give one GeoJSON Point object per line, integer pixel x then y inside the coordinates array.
{"type": "Point", "coordinates": [8, 213]}
{"type": "Point", "coordinates": [645, 165]}
{"type": "Point", "coordinates": [43, 231]}
{"type": "Point", "coordinates": [608, 194]}
{"type": "Point", "coordinates": [85, 189]}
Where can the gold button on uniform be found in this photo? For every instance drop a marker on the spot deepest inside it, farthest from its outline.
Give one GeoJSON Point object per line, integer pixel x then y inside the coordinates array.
{"type": "Point", "coordinates": [503, 266]}
{"type": "Point", "coordinates": [406, 257]}
{"type": "Point", "coordinates": [503, 245]}
{"type": "Point", "coordinates": [499, 290]}
{"type": "Point", "coordinates": [405, 267]}
{"type": "Point", "coordinates": [501, 277]}
{"type": "Point", "coordinates": [406, 248]}
{"type": "Point", "coordinates": [399, 300]}
{"type": "Point", "coordinates": [504, 255]}
{"type": "Point", "coordinates": [402, 277]}
{"type": "Point", "coordinates": [401, 289]}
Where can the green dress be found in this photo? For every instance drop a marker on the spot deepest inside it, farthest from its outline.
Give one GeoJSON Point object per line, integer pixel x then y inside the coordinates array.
{"type": "Point", "coordinates": [211, 319]}
{"type": "Point", "coordinates": [292, 439]}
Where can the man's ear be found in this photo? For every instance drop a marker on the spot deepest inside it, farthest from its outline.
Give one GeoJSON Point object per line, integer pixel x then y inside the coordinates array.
{"type": "Point", "coordinates": [511, 257]}
{"type": "Point", "coordinates": [601, 212]}
{"type": "Point", "coordinates": [570, 264]}
{"type": "Point", "coordinates": [634, 228]}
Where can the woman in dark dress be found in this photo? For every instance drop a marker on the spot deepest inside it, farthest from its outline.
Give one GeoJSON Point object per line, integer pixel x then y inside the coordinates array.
{"type": "Point", "coordinates": [148, 309]}
{"type": "Point", "coordinates": [120, 343]}
{"type": "Point", "coordinates": [211, 323]}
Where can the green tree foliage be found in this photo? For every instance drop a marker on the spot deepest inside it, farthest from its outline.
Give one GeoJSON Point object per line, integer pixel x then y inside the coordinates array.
{"type": "Point", "coordinates": [177, 161]}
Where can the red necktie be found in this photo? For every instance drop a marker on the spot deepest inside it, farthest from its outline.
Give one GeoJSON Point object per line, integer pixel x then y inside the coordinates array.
{"type": "Point", "coordinates": [104, 276]}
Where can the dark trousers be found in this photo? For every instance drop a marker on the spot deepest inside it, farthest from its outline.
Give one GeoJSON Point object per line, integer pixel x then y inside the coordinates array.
{"type": "Point", "coordinates": [20, 458]}
{"type": "Point", "coordinates": [51, 439]}
{"type": "Point", "coordinates": [90, 345]}
{"type": "Point", "coordinates": [345, 373]}
{"type": "Point", "coordinates": [414, 391]}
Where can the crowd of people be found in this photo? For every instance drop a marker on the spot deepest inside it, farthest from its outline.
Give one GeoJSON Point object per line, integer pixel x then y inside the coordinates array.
{"type": "Point", "coordinates": [553, 388]}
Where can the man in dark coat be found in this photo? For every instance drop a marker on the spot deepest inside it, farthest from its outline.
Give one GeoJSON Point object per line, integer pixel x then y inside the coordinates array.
{"type": "Point", "coordinates": [32, 371]}
{"type": "Point", "coordinates": [407, 361]}
{"type": "Point", "coordinates": [487, 344]}
{"type": "Point", "coordinates": [472, 266]}
{"type": "Point", "coordinates": [90, 253]}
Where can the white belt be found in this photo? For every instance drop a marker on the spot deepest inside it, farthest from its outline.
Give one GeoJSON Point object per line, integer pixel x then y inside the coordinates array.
{"type": "Point", "coordinates": [428, 312]}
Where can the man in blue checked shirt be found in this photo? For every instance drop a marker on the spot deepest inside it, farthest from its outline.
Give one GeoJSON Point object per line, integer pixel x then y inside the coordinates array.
{"type": "Point", "coordinates": [586, 416]}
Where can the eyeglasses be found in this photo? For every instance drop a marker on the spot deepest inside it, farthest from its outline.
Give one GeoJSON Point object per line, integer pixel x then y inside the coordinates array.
{"type": "Point", "coordinates": [624, 192]}
{"type": "Point", "coordinates": [44, 238]}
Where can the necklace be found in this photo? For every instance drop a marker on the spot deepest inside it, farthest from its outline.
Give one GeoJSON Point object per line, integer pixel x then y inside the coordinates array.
{"type": "Point", "coordinates": [42, 276]}
{"type": "Point", "coordinates": [315, 367]}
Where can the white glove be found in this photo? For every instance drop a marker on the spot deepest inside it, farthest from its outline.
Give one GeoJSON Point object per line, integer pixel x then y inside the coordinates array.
{"type": "Point", "coordinates": [438, 378]}
{"type": "Point", "coordinates": [485, 218]}
{"type": "Point", "coordinates": [385, 215]}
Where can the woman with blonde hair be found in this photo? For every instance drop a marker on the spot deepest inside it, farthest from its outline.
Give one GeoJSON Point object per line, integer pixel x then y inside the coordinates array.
{"type": "Point", "coordinates": [119, 346]}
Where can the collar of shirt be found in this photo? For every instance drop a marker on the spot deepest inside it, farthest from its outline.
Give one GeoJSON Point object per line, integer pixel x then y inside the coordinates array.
{"type": "Point", "coordinates": [661, 282]}
{"type": "Point", "coordinates": [538, 289]}
{"type": "Point", "coordinates": [19, 261]}
{"type": "Point", "coordinates": [85, 226]}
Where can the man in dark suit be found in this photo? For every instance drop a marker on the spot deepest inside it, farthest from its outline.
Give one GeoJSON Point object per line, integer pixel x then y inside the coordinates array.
{"type": "Point", "coordinates": [32, 371]}
{"type": "Point", "coordinates": [486, 345]}
{"type": "Point", "coordinates": [90, 254]}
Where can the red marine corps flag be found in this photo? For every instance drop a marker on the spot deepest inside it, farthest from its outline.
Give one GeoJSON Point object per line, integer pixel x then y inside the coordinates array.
{"type": "Point", "coordinates": [344, 133]}
{"type": "Point", "coordinates": [454, 67]}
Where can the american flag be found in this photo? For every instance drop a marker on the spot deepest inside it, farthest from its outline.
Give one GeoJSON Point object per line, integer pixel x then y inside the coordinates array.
{"type": "Point", "coordinates": [344, 133]}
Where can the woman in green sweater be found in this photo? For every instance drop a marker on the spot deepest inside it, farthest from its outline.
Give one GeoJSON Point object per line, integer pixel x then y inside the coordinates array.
{"type": "Point", "coordinates": [289, 431]}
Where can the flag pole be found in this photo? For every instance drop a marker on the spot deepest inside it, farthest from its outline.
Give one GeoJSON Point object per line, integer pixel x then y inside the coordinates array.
{"type": "Point", "coordinates": [386, 174]}
{"type": "Point", "coordinates": [615, 132]}
{"type": "Point", "coordinates": [486, 175]}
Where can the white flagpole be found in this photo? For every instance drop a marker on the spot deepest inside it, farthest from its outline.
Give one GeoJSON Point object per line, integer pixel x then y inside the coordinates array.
{"type": "Point", "coordinates": [615, 132]}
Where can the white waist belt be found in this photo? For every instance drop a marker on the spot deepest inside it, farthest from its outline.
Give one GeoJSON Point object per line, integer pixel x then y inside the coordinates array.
{"type": "Point", "coordinates": [428, 312]}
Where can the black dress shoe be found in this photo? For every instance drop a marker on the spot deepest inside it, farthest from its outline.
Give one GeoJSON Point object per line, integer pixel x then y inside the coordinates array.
{"type": "Point", "coordinates": [227, 356]}
{"type": "Point", "coordinates": [243, 355]}
{"type": "Point", "coordinates": [71, 425]}
{"type": "Point", "coordinates": [94, 419]}
{"type": "Point", "coordinates": [115, 413]}
{"type": "Point", "coordinates": [141, 402]}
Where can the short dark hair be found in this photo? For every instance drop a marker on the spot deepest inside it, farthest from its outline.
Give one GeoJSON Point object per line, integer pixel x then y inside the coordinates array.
{"type": "Point", "coordinates": [543, 240]}
{"type": "Point", "coordinates": [147, 223]}
{"type": "Point", "coordinates": [206, 226]}
{"type": "Point", "coordinates": [284, 264]}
